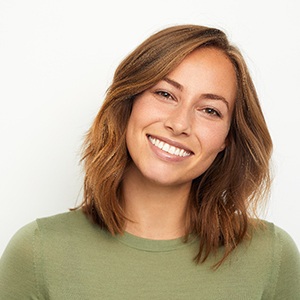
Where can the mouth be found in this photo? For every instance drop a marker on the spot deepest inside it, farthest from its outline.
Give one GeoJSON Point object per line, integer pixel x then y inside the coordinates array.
{"type": "Point", "coordinates": [171, 149]}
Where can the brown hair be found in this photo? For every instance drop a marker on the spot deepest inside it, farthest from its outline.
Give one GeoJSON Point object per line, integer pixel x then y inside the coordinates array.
{"type": "Point", "coordinates": [223, 199]}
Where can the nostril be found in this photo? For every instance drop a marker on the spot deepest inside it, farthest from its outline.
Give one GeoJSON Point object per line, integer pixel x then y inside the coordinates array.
{"type": "Point", "coordinates": [178, 126]}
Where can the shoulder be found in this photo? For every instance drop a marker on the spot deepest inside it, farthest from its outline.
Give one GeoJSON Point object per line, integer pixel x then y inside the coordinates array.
{"type": "Point", "coordinates": [70, 227]}
{"type": "Point", "coordinates": [17, 273]}
{"type": "Point", "coordinates": [269, 240]}
{"type": "Point", "coordinates": [52, 232]}
{"type": "Point", "coordinates": [68, 222]}
{"type": "Point", "coordinates": [45, 250]}
{"type": "Point", "coordinates": [270, 235]}
{"type": "Point", "coordinates": [275, 246]}
{"type": "Point", "coordinates": [24, 236]}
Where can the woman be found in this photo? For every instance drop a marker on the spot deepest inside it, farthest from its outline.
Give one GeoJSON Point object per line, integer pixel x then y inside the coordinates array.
{"type": "Point", "coordinates": [176, 163]}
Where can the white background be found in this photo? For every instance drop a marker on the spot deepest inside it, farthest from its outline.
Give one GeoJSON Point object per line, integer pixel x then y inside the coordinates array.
{"type": "Point", "coordinates": [57, 59]}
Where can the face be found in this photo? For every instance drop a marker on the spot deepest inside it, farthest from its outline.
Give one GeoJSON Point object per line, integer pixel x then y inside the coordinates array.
{"type": "Point", "coordinates": [178, 126]}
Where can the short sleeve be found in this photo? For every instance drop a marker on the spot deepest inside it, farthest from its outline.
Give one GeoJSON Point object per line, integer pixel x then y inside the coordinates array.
{"type": "Point", "coordinates": [288, 276]}
{"type": "Point", "coordinates": [18, 278]}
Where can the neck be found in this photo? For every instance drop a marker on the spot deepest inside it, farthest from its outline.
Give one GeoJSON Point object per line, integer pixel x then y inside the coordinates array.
{"type": "Point", "coordinates": [154, 211]}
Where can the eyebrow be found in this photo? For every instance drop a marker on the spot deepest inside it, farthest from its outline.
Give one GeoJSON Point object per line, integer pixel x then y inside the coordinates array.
{"type": "Point", "coordinates": [203, 96]}
{"type": "Point", "coordinates": [215, 97]}
{"type": "Point", "coordinates": [174, 83]}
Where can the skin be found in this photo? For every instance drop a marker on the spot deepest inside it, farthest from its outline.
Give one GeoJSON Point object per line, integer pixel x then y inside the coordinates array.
{"type": "Point", "coordinates": [188, 115]}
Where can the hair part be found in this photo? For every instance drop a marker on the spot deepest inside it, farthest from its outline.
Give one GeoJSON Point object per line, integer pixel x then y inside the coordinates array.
{"type": "Point", "coordinates": [225, 197]}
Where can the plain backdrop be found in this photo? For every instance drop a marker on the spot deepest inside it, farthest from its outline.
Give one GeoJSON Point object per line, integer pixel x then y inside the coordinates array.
{"type": "Point", "coordinates": [57, 59]}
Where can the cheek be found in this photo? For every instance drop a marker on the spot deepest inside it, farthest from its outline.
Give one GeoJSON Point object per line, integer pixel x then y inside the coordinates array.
{"type": "Point", "coordinates": [138, 120]}
{"type": "Point", "coordinates": [131, 128]}
{"type": "Point", "coordinates": [135, 117]}
{"type": "Point", "coordinates": [213, 139]}
{"type": "Point", "coordinates": [145, 111]}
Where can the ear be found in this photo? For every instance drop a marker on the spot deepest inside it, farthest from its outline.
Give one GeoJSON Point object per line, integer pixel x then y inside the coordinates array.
{"type": "Point", "coordinates": [223, 147]}
{"type": "Point", "coordinates": [225, 144]}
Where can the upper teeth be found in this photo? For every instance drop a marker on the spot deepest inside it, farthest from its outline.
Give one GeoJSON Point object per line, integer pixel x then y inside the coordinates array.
{"type": "Point", "coordinates": [168, 148]}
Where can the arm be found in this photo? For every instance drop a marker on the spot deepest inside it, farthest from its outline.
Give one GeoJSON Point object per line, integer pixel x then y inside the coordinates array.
{"type": "Point", "coordinates": [18, 270]}
{"type": "Point", "coordinates": [288, 276]}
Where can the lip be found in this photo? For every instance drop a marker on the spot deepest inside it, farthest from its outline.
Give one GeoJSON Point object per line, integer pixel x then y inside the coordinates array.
{"type": "Point", "coordinates": [173, 143]}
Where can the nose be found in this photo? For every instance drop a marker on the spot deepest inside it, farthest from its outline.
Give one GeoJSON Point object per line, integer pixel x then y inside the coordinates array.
{"type": "Point", "coordinates": [179, 121]}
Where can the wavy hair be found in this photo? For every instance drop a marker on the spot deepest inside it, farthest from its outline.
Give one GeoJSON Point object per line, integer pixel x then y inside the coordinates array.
{"type": "Point", "coordinates": [225, 197]}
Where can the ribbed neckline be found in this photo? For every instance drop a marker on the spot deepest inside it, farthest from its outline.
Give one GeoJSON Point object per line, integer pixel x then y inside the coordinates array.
{"type": "Point", "coordinates": [144, 244]}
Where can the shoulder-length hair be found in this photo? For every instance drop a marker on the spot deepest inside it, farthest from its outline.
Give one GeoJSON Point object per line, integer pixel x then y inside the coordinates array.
{"type": "Point", "coordinates": [224, 198]}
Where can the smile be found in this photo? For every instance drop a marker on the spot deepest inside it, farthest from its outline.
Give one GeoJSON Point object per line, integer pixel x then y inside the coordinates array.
{"type": "Point", "coordinates": [169, 148]}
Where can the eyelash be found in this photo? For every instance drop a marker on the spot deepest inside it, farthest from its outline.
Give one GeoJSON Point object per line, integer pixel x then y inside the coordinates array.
{"type": "Point", "coordinates": [212, 112]}
{"type": "Point", "coordinates": [208, 110]}
{"type": "Point", "coordinates": [164, 94]}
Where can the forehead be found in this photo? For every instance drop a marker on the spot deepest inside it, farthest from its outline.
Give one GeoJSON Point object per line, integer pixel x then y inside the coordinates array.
{"type": "Point", "coordinates": [207, 70]}
{"type": "Point", "coordinates": [207, 57]}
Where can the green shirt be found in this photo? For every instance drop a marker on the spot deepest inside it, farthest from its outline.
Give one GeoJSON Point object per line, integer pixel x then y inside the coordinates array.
{"type": "Point", "coordinates": [68, 257]}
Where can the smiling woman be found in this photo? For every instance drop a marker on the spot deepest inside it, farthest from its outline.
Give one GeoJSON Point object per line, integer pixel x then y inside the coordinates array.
{"type": "Point", "coordinates": [185, 121]}
{"type": "Point", "coordinates": [176, 163]}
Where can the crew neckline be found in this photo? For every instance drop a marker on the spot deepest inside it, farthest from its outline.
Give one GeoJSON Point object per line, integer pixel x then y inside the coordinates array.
{"type": "Point", "coordinates": [151, 245]}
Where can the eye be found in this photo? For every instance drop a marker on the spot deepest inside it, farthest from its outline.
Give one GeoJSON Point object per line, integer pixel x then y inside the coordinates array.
{"type": "Point", "coordinates": [212, 112]}
{"type": "Point", "coordinates": [164, 94]}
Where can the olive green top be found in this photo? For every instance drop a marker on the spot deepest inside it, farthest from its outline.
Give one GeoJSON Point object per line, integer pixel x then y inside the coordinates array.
{"type": "Point", "coordinates": [68, 257]}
